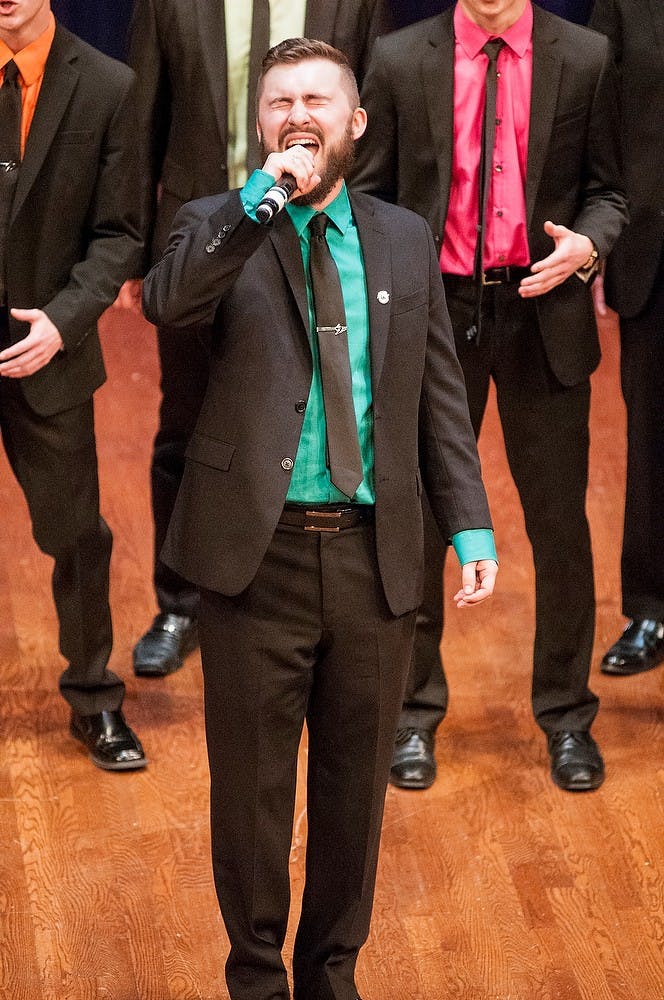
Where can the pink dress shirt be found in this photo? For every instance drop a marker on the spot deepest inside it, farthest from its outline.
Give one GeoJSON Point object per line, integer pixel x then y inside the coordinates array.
{"type": "Point", "coordinates": [506, 241]}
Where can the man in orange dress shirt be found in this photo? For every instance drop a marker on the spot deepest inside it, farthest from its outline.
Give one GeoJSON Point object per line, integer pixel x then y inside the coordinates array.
{"type": "Point", "coordinates": [69, 237]}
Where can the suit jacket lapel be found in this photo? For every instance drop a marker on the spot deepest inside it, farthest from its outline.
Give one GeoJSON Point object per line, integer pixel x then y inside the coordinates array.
{"type": "Point", "coordinates": [60, 79]}
{"type": "Point", "coordinates": [547, 67]}
{"type": "Point", "coordinates": [437, 75]}
{"type": "Point", "coordinates": [657, 14]}
{"type": "Point", "coordinates": [319, 19]}
{"type": "Point", "coordinates": [212, 36]}
{"type": "Point", "coordinates": [378, 271]}
{"type": "Point", "coordinates": [287, 246]}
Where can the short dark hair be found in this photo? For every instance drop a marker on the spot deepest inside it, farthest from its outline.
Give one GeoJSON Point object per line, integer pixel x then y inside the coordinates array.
{"type": "Point", "coordinates": [296, 50]}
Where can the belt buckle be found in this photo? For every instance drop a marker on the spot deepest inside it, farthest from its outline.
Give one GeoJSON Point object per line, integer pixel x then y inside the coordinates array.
{"type": "Point", "coordinates": [488, 281]}
{"type": "Point", "coordinates": [326, 516]}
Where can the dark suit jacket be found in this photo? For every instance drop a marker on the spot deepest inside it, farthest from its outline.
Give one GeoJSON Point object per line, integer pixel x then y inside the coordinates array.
{"type": "Point", "coordinates": [636, 29]}
{"type": "Point", "coordinates": [178, 50]}
{"type": "Point", "coordinates": [74, 229]}
{"type": "Point", "coordinates": [251, 286]}
{"type": "Point", "coordinates": [572, 172]}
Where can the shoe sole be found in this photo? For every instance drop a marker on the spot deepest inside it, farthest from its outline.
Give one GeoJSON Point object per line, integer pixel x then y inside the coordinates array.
{"type": "Point", "coordinates": [585, 786]}
{"type": "Point", "coordinates": [158, 671]}
{"type": "Point", "coordinates": [615, 670]}
{"type": "Point", "coordinates": [412, 786]}
{"type": "Point", "coordinates": [130, 765]}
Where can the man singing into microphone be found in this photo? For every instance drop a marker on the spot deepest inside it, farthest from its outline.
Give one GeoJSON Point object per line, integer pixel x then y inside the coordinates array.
{"type": "Point", "coordinates": [333, 382]}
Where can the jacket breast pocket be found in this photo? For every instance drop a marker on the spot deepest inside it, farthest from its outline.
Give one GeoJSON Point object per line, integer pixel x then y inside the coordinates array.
{"type": "Point", "coordinates": [572, 118]}
{"type": "Point", "coordinates": [76, 138]}
{"type": "Point", "coordinates": [210, 451]}
{"type": "Point", "coordinates": [412, 300]}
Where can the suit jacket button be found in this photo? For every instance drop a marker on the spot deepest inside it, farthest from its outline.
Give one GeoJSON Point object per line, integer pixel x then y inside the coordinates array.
{"type": "Point", "coordinates": [287, 464]}
{"type": "Point", "coordinates": [300, 406]}
{"type": "Point", "coordinates": [210, 248]}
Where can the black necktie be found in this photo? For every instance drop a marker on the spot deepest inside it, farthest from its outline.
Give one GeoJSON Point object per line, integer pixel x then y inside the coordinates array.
{"type": "Point", "coordinates": [10, 157]}
{"type": "Point", "coordinates": [492, 50]}
{"type": "Point", "coordinates": [260, 43]}
{"type": "Point", "coordinates": [343, 446]}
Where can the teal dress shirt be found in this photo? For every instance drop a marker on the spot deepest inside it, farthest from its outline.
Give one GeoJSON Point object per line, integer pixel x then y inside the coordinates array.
{"type": "Point", "coordinates": [310, 481]}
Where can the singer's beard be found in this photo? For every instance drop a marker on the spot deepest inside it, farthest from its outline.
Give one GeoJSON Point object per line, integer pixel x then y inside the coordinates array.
{"type": "Point", "coordinates": [337, 163]}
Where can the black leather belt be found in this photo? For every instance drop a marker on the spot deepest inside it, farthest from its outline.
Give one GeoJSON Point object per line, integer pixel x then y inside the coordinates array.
{"type": "Point", "coordinates": [494, 276]}
{"type": "Point", "coordinates": [326, 517]}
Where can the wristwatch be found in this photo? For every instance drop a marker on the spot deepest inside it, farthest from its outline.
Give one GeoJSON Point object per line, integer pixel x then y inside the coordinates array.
{"type": "Point", "coordinates": [587, 270]}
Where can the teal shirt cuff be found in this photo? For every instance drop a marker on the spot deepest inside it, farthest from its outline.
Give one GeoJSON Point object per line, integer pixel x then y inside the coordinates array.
{"type": "Point", "coordinates": [474, 544]}
{"type": "Point", "coordinates": [254, 190]}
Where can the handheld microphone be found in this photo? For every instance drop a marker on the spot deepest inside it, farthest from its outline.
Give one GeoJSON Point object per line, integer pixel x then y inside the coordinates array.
{"type": "Point", "coordinates": [274, 200]}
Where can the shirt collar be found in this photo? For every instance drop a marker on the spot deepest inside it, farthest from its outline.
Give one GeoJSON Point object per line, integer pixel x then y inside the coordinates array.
{"type": "Point", "coordinates": [338, 211]}
{"type": "Point", "coordinates": [31, 60]}
{"type": "Point", "coordinates": [472, 38]}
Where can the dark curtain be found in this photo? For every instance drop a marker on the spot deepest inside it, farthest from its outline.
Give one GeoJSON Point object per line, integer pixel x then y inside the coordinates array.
{"type": "Point", "coordinates": [103, 23]}
{"type": "Point", "coordinates": [407, 11]}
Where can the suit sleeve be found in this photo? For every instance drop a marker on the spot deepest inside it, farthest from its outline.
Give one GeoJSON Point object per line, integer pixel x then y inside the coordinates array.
{"type": "Point", "coordinates": [603, 213]}
{"type": "Point", "coordinates": [113, 244]}
{"type": "Point", "coordinates": [380, 21]}
{"type": "Point", "coordinates": [448, 456]}
{"type": "Point", "coordinates": [606, 20]}
{"type": "Point", "coordinates": [153, 110]}
{"type": "Point", "coordinates": [376, 165]}
{"type": "Point", "coordinates": [211, 240]}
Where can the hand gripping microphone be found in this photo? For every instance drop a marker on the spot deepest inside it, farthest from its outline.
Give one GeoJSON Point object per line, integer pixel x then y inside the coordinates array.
{"type": "Point", "coordinates": [274, 200]}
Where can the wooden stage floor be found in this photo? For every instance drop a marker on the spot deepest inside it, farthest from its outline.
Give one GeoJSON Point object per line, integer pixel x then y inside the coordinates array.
{"type": "Point", "coordinates": [493, 885]}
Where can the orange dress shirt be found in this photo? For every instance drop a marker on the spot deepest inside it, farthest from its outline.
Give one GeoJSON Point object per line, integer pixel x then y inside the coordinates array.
{"type": "Point", "coordinates": [31, 62]}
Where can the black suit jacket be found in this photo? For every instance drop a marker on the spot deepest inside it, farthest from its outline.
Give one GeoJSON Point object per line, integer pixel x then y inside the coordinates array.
{"type": "Point", "coordinates": [74, 229]}
{"type": "Point", "coordinates": [572, 172]}
{"type": "Point", "coordinates": [250, 285]}
{"type": "Point", "coordinates": [636, 29]}
{"type": "Point", "coordinates": [178, 50]}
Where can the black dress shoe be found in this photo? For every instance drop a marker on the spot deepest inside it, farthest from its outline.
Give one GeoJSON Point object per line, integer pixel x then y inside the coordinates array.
{"type": "Point", "coordinates": [164, 646]}
{"type": "Point", "coordinates": [639, 648]}
{"type": "Point", "coordinates": [113, 746]}
{"type": "Point", "coordinates": [576, 763]}
{"type": "Point", "coordinates": [413, 763]}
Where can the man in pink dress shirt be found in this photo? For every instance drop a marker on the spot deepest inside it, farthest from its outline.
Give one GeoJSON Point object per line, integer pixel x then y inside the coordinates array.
{"type": "Point", "coordinates": [553, 209]}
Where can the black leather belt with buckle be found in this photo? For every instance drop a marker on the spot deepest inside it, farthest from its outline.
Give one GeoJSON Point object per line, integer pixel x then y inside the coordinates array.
{"type": "Point", "coordinates": [504, 275]}
{"type": "Point", "coordinates": [329, 517]}
{"type": "Point", "coordinates": [492, 276]}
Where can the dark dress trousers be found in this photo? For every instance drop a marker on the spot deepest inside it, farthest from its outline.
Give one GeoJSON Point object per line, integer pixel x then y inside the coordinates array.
{"type": "Point", "coordinates": [179, 53]}
{"type": "Point", "coordinates": [540, 353]}
{"type": "Point", "coordinates": [634, 285]}
{"type": "Point", "coordinates": [298, 624]}
{"type": "Point", "coordinates": [73, 238]}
